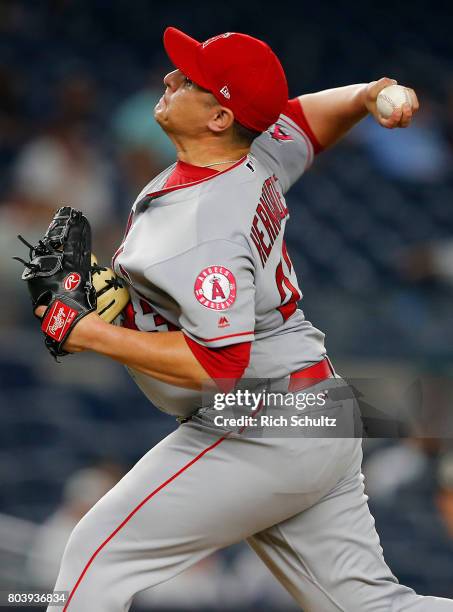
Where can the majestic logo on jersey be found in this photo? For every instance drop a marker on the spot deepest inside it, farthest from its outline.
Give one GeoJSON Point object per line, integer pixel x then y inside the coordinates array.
{"type": "Point", "coordinates": [72, 281]}
{"type": "Point", "coordinates": [267, 221]}
{"type": "Point", "coordinates": [278, 133]}
{"type": "Point", "coordinates": [225, 92]}
{"type": "Point", "coordinates": [223, 322]}
{"type": "Point", "coordinates": [214, 38]}
{"type": "Point", "coordinates": [215, 287]}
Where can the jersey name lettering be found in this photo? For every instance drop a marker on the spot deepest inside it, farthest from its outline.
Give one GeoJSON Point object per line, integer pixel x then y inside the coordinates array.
{"type": "Point", "coordinates": [270, 212]}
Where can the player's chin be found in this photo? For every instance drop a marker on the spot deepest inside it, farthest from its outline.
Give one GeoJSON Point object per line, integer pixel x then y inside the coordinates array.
{"type": "Point", "coordinates": [160, 104]}
{"type": "Point", "coordinates": [160, 114]}
{"type": "Point", "coordinates": [163, 120]}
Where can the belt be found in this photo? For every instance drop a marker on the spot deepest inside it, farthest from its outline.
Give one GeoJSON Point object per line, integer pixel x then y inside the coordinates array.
{"type": "Point", "coordinates": [302, 379]}
{"type": "Point", "coordinates": [307, 377]}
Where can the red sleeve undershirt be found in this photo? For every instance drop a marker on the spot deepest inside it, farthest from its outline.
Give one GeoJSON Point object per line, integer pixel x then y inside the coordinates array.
{"type": "Point", "coordinates": [295, 112]}
{"type": "Point", "coordinates": [227, 362]}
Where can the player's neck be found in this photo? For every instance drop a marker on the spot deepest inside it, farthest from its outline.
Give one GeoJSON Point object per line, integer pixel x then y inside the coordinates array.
{"type": "Point", "coordinates": [210, 154]}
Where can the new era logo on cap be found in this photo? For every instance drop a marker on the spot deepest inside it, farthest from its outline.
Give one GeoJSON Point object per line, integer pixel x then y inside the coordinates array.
{"type": "Point", "coordinates": [225, 92]}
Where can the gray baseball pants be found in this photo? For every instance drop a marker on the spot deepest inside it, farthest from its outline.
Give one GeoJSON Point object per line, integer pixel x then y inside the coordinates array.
{"type": "Point", "coordinates": [298, 501]}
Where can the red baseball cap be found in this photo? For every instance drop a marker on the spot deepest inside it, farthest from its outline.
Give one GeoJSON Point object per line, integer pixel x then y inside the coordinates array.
{"type": "Point", "coordinates": [242, 72]}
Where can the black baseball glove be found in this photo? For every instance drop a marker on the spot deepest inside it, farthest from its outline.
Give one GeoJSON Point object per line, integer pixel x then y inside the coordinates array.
{"type": "Point", "coordinates": [59, 276]}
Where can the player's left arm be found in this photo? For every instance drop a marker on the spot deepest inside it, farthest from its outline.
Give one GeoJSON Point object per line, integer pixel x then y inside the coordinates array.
{"type": "Point", "coordinates": [201, 354]}
{"type": "Point", "coordinates": [164, 355]}
{"type": "Point", "coordinates": [333, 112]}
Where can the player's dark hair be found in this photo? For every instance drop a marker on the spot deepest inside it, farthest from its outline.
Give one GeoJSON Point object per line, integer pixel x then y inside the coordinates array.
{"type": "Point", "coordinates": [243, 135]}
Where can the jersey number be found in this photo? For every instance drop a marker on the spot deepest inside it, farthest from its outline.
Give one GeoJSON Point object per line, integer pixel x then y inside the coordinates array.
{"type": "Point", "coordinates": [130, 316]}
{"type": "Point", "coordinates": [289, 295]}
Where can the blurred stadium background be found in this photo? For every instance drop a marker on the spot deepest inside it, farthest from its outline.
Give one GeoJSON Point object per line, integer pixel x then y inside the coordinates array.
{"type": "Point", "coordinates": [371, 236]}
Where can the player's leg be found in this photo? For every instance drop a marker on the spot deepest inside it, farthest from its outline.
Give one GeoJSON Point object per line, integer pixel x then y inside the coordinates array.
{"type": "Point", "coordinates": [138, 534]}
{"type": "Point", "coordinates": [193, 493]}
{"type": "Point", "coordinates": [329, 556]}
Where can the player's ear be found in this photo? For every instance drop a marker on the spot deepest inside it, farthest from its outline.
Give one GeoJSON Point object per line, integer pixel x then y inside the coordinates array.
{"type": "Point", "coordinates": [221, 119]}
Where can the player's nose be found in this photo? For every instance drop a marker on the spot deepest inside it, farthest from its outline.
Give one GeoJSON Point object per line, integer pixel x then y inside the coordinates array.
{"type": "Point", "coordinates": [172, 79]}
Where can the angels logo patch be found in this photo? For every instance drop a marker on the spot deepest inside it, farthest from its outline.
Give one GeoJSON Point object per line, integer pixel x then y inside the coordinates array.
{"type": "Point", "coordinates": [278, 133]}
{"type": "Point", "coordinates": [215, 288]}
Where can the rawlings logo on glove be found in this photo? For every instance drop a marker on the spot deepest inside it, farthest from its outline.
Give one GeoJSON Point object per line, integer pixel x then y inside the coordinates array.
{"type": "Point", "coordinates": [72, 281]}
{"type": "Point", "coordinates": [55, 324]}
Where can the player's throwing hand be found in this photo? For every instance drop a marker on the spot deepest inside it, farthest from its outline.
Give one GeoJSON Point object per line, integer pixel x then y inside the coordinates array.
{"type": "Point", "coordinates": [401, 116]}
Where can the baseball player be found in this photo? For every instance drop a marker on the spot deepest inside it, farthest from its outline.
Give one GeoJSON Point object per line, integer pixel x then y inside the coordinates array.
{"type": "Point", "coordinates": [206, 264]}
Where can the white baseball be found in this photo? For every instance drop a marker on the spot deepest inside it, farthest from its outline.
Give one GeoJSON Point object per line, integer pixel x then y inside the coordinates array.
{"type": "Point", "coordinates": [391, 98]}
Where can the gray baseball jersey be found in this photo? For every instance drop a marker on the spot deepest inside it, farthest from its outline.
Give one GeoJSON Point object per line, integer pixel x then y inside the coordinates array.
{"type": "Point", "coordinates": [210, 258]}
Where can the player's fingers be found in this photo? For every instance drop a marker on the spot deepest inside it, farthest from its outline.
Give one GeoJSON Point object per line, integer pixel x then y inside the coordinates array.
{"type": "Point", "coordinates": [381, 84]}
{"type": "Point", "coordinates": [414, 100]}
{"type": "Point", "coordinates": [40, 310]}
{"type": "Point", "coordinates": [392, 121]}
{"type": "Point", "coordinates": [374, 88]}
{"type": "Point", "coordinates": [406, 116]}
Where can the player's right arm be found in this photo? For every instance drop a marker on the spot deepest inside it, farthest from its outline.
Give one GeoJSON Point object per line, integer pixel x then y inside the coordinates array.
{"type": "Point", "coordinates": [333, 112]}
{"type": "Point", "coordinates": [313, 122]}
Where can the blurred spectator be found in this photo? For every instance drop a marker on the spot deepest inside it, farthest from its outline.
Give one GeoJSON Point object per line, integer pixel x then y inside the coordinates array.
{"type": "Point", "coordinates": [63, 167]}
{"type": "Point", "coordinates": [30, 219]}
{"type": "Point", "coordinates": [65, 163]}
{"type": "Point", "coordinates": [76, 99]}
{"type": "Point", "coordinates": [81, 491]}
{"type": "Point", "coordinates": [144, 148]}
{"type": "Point", "coordinates": [445, 495]}
{"type": "Point", "coordinates": [418, 155]}
{"type": "Point", "coordinates": [392, 467]}
{"type": "Point", "coordinates": [424, 413]}
{"type": "Point", "coordinates": [428, 261]}
{"type": "Point", "coordinates": [13, 128]}
{"type": "Point", "coordinates": [449, 111]}
{"type": "Point", "coordinates": [418, 537]}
